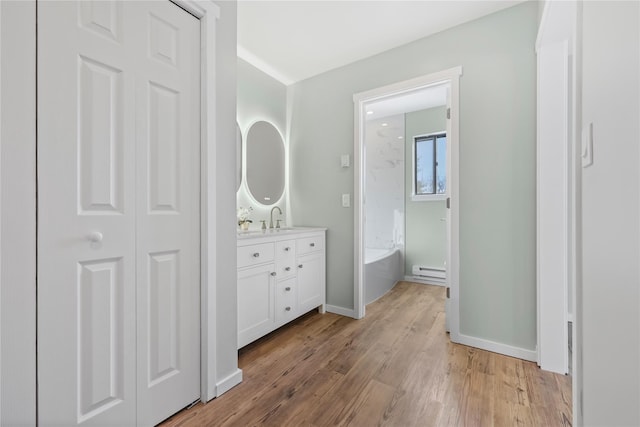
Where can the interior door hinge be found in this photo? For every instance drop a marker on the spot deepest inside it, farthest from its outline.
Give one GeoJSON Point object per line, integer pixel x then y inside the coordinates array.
{"type": "Point", "coordinates": [448, 202]}
{"type": "Point", "coordinates": [448, 292]}
{"type": "Point", "coordinates": [448, 113]}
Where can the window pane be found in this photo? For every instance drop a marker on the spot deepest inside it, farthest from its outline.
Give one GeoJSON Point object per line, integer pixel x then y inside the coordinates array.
{"type": "Point", "coordinates": [441, 165]}
{"type": "Point", "coordinates": [424, 166]}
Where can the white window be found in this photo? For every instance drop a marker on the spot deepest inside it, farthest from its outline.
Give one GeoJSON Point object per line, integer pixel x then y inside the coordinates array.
{"type": "Point", "coordinates": [430, 167]}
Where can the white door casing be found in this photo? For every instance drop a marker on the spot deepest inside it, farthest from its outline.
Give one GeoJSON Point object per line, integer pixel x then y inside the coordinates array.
{"type": "Point", "coordinates": [450, 76]}
{"type": "Point", "coordinates": [118, 246]}
{"type": "Point", "coordinates": [557, 182]}
{"type": "Point", "coordinates": [553, 206]}
{"type": "Point", "coordinates": [448, 255]}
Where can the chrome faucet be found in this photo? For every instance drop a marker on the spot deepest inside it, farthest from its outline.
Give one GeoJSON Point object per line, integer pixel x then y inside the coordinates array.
{"type": "Point", "coordinates": [271, 217]}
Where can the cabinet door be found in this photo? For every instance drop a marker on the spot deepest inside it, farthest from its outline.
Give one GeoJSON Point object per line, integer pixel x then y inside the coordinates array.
{"type": "Point", "coordinates": [255, 303]}
{"type": "Point", "coordinates": [311, 281]}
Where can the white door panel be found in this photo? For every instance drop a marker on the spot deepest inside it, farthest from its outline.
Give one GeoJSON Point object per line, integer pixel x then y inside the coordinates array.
{"type": "Point", "coordinates": [168, 211]}
{"type": "Point", "coordinates": [86, 301]}
{"type": "Point", "coordinates": [118, 212]}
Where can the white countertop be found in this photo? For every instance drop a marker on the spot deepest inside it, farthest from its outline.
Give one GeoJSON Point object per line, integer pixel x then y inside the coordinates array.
{"type": "Point", "coordinates": [284, 232]}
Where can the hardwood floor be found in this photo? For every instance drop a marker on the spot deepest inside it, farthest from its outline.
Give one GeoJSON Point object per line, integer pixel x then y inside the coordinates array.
{"type": "Point", "coordinates": [395, 367]}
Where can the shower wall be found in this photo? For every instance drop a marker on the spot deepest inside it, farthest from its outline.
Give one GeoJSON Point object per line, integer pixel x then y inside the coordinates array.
{"type": "Point", "coordinates": [384, 182]}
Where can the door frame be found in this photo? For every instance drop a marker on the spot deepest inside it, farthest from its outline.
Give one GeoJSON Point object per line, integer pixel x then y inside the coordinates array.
{"type": "Point", "coordinates": [557, 212]}
{"type": "Point", "coordinates": [208, 13]}
{"type": "Point", "coordinates": [452, 77]}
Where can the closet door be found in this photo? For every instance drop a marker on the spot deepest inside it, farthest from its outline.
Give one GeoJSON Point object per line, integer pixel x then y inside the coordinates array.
{"type": "Point", "coordinates": [168, 209]}
{"type": "Point", "coordinates": [118, 192]}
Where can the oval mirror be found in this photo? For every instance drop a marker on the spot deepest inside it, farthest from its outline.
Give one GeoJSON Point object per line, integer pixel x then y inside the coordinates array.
{"type": "Point", "coordinates": [265, 163]}
{"type": "Point", "coordinates": [238, 157]}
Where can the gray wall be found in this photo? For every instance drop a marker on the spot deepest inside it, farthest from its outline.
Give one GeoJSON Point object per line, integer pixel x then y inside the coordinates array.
{"type": "Point", "coordinates": [260, 98]}
{"type": "Point", "coordinates": [497, 176]}
{"type": "Point", "coordinates": [426, 234]}
{"type": "Point", "coordinates": [610, 314]}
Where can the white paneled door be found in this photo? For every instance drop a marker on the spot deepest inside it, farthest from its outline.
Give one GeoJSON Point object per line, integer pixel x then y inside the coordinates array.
{"type": "Point", "coordinates": [118, 212]}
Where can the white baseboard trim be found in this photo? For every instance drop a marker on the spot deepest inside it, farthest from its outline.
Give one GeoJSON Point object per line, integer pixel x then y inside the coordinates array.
{"type": "Point", "coordinates": [495, 347]}
{"type": "Point", "coordinates": [425, 281]}
{"type": "Point", "coordinates": [341, 311]}
{"type": "Point", "coordinates": [229, 382]}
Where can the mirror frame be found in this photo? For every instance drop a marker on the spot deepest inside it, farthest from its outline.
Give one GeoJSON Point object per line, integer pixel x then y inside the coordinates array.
{"type": "Point", "coordinates": [239, 153]}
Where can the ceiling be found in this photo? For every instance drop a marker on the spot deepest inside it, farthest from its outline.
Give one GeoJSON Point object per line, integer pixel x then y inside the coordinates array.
{"type": "Point", "coordinates": [297, 39]}
{"type": "Point", "coordinates": [416, 100]}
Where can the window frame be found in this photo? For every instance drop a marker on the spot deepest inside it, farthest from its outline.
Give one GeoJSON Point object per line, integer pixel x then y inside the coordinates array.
{"type": "Point", "coordinates": [429, 197]}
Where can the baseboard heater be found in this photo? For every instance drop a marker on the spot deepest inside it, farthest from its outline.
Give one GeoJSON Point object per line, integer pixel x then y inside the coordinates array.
{"type": "Point", "coordinates": [429, 273]}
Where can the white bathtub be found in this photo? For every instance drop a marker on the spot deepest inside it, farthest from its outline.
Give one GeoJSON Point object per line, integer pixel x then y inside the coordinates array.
{"type": "Point", "coordinates": [382, 269]}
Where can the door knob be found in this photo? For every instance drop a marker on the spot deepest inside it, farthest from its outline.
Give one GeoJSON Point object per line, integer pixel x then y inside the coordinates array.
{"type": "Point", "coordinates": [95, 237]}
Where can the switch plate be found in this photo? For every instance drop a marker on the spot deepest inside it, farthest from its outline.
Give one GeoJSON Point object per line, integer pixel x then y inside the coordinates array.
{"type": "Point", "coordinates": [346, 200]}
{"type": "Point", "coordinates": [345, 161]}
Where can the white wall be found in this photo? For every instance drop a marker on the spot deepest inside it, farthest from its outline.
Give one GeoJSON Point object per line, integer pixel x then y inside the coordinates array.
{"type": "Point", "coordinates": [18, 245]}
{"type": "Point", "coordinates": [384, 154]}
{"type": "Point", "coordinates": [611, 215]}
{"type": "Point", "coordinates": [224, 219]}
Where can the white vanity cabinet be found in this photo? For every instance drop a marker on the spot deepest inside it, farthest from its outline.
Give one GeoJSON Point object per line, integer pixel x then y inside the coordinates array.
{"type": "Point", "coordinates": [256, 282]}
{"type": "Point", "coordinates": [281, 275]}
{"type": "Point", "coordinates": [310, 264]}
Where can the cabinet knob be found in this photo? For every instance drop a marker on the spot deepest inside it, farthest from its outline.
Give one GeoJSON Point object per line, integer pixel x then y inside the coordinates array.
{"type": "Point", "coordinates": [273, 273]}
{"type": "Point", "coordinates": [287, 269]}
{"type": "Point", "coordinates": [299, 265]}
{"type": "Point", "coordinates": [312, 244]}
{"type": "Point", "coordinates": [287, 288]}
{"type": "Point", "coordinates": [256, 255]}
{"type": "Point", "coordinates": [95, 237]}
{"type": "Point", "coordinates": [287, 308]}
{"type": "Point", "coordinates": [287, 249]}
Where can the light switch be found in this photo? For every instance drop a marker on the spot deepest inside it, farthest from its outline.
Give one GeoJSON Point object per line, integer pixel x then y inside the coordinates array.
{"type": "Point", "coordinates": [345, 161]}
{"type": "Point", "coordinates": [346, 200]}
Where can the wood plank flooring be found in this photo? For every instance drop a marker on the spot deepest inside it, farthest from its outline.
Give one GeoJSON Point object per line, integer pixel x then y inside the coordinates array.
{"type": "Point", "coordinates": [395, 367]}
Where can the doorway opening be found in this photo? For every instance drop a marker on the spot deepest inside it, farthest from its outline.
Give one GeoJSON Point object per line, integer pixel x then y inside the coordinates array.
{"type": "Point", "coordinates": [380, 108]}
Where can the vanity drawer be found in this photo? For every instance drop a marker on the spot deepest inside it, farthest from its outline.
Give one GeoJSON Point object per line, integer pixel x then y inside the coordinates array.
{"type": "Point", "coordinates": [255, 254]}
{"type": "Point", "coordinates": [286, 258]}
{"type": "Point", "coordinates": [286, 298]}
{"type": "Point", "coordinates": [310, 244]}
{"type": "Point", "coordinates": [286, 249]}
